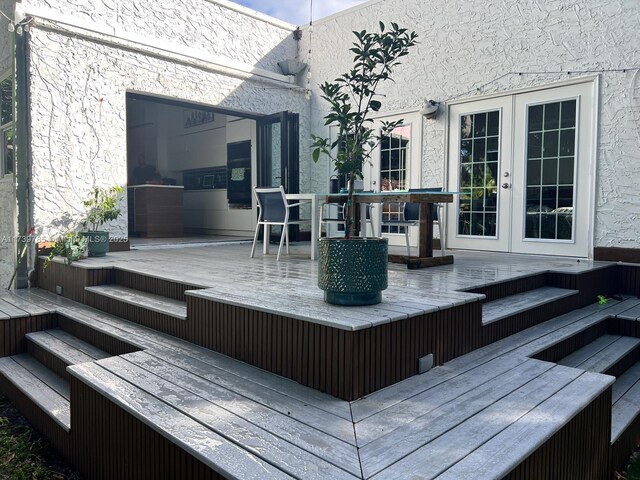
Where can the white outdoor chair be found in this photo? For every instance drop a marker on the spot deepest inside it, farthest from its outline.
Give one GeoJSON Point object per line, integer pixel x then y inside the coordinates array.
{"type": "Point", "coordinates": [411, 217]}
{"type": "Point", "coordinates": [274, 209]}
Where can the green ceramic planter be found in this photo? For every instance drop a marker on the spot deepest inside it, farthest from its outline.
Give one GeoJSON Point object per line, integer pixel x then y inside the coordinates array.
{"type": "Point", "coordinates": [354, 271]}
{"type": "Point", "coordinates": [98, 243]}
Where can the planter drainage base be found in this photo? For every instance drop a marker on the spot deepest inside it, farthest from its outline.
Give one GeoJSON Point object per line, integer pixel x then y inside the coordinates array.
{"type": "Point", "coordinates": [352, 299]}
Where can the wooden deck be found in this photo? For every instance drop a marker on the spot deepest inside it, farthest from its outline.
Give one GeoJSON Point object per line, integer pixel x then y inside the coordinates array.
{"type": "Point", "coordinates": [497, 404]}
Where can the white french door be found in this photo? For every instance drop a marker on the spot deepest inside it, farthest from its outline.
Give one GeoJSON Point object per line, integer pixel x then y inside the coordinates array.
{"type": "Point", "coordinates": [523, 164]}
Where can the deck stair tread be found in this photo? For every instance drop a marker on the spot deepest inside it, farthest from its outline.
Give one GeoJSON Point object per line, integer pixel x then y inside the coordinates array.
{"type": "Point", "coordinates": [601, 354]}
{"type": "Point", "coordinates": [279, 439]}
{"type": "Point", "coordinates": [214, 450]}
{"type": "Point", "coordinates": [55, 382]}
{"type": "Point", "coordinates": [149, 301]}
{"type": "Point", "coordinates": [500, 454]}
{"type": "Point", "coordinates": [18, 302]}
{"type": "Point", "coordinates": [525, 343]}
{"type": "Point", "coordinates": [147, 338]}
{"type": "Point", "coordinates": [43, 395]}
{"type": "Point", "coordinates": [508, 306]}
{"type": "Point", "coordinates": [626, 401]}
{"type": "Point", "coordinates": [557, 385]}
{"type": "Point", "coordinates": [66, 347]}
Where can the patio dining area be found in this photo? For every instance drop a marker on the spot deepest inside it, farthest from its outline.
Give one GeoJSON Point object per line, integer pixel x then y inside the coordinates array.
{"type": "Point", "coordinates": [235, 367]}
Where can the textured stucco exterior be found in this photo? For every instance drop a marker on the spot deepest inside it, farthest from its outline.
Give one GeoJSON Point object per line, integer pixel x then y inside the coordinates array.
{"type": "Point", "coordinates": [78, 87]}
{"type": "Point", "coordinates": [8, 246]}
{"type": "Point", "coordinates": [464, 45]}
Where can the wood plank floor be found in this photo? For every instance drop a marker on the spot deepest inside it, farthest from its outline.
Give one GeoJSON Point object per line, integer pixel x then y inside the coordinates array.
{"type": "Point", "coordinates": [227, 274]}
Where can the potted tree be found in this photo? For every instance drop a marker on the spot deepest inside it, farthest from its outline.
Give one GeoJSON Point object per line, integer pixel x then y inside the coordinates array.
{"type": "Point", "coordinates": [102, 207]}
{"type": "Point", "coordinates": [353, 271]}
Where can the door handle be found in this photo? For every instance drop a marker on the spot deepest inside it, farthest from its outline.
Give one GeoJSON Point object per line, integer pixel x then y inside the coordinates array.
{"type": "Point", "coordinates": [505, 185]}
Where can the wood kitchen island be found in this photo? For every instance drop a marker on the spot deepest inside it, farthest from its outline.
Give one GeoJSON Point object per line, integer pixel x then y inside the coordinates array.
{"type": "Point", "coordinates": [156, 211]}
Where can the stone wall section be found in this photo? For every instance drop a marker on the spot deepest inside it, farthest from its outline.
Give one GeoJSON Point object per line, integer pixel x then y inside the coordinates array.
{"type": "Point", "coordinates": [464, 45]}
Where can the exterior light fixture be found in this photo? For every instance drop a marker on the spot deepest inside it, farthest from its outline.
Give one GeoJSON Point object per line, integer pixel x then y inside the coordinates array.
{"type": "Point", "coordinates": [292, 66]}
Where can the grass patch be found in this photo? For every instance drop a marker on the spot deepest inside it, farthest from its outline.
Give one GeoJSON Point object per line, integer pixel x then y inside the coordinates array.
{"type": "Point", "coordinates": [24, 453]}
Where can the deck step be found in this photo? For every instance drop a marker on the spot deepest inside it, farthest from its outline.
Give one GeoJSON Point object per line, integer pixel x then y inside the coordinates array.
{"type": "Point", "coordinates": [508, 306]}
{"type": "Point", "coordinates": [602, 354]}
{"type": "Point", "coordinates": [35, 385]}
{"type": "Point", "coordinates": [57, 349]}
{"type": "Point", "coordinates": [55, 382]}
{"type": "Point", "coordinates": [626, 401]}
{"type": "Point", "coordinates": [138, 298]}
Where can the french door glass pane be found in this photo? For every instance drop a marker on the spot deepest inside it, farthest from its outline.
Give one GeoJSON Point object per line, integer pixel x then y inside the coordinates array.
{"type": "Point", "coordinates": [394, 160]}
{"type": "Point", "coordinates": [550, 161]}
{"type": "Point", "coordinates": [479, 156]}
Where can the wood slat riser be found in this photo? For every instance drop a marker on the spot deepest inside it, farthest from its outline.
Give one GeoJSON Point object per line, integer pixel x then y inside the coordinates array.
{"type": "Point", "coordinates": [107, 343]}
{"type": "Point", "coordinates": [624, 446]}
{"type": "Point", "coordinates": [157, 286]}
{"type": "Point", "coordinates": [140, 315]}
{"type": "Point", "coordinates": [560, 350]}
{"type": "Point", "coordinates": [53, 363]}
{"type": "Point", "coordinates": [110, 443]}
{"type": "Point", "coordinates": [72, 280]}
{"type": "Point", "coordinates": [347, 364]}
{"type": "Point", "coordinates": [13, 331]}
{"type": "Point", "coordinates": [513, 287]}
{"type": "Point", "coordinates": [521, 321]}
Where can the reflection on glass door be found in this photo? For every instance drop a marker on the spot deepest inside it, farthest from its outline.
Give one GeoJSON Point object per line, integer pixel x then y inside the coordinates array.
{"type": "Point", "coordinates": [477, 204]}
{"type": "Point", "coordinates": [394, 157]}
{"type": "Point", "coordinates": [550, 158]}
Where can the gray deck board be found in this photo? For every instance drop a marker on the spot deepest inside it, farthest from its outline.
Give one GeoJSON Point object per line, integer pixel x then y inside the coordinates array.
{"type": "Point", "coordinates": [436, 394]}
{"type": "Point", "coordinates": [50, 401]}
{"type": "Point", "coordinates": [610, 355]}
{"type": "Point", "coordinates": [78, 344]}
{"type": "Point", "coordinates": [230, 460]}
{"type": "Point", "coordinates": [631, 314]}
{"type": "Point", "coordinates": [59, 384]}
{"type": "Point", "coordinates": [525, 343]}
{"type": "Point", "coordinates": [11, 311]}
{"type": "Point", "coordinates": [583, 354]}
{"type": "Point", "coordinates": [156, 303]}
{"type": "Point", "coordinates": [286, 455]}
{"type": "Point", "coordinates": [306, 413]}
{"type": "Point", "coordinates": [508, 306]}
{"type": "Point", "coordinates": [402, 442]}
{"type": "Point", "coordinates": [443, 452]}
{"type": "Point", "coordinates": [502, 453]}
{"type": "Point", "coordinates": [625, 381]}
{"type": "Point", "coordinates": [25, 305]}
{"type": "Point", "coordinates": [58, 348]}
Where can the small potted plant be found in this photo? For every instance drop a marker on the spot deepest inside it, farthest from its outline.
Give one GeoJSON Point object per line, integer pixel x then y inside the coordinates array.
{"type": "Point", "coordinates": [353, 271]}
{"type": "Point", "coordinates": [72, 246]}
{"type": "Point", "coordinates": [102, 207]}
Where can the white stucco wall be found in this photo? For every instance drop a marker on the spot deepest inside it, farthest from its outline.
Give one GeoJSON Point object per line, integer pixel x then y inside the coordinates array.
{"type": "Point", "coordinates": [464, 45]}
{"type": "Point", "coordinates": [7, 184]}
{"type": "Point", "coordinates": [78, 88]}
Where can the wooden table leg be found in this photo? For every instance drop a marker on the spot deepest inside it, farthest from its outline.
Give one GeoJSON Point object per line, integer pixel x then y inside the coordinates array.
{"type": "Point", "coordinates": [426, 231]}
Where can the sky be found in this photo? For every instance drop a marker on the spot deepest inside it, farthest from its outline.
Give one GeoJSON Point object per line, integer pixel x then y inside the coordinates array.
{"type": "Point", "coordinates": [297, 11]}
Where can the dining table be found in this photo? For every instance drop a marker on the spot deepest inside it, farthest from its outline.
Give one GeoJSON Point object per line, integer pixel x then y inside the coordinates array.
{"type": "Point", "coordinates": [426, 200]}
